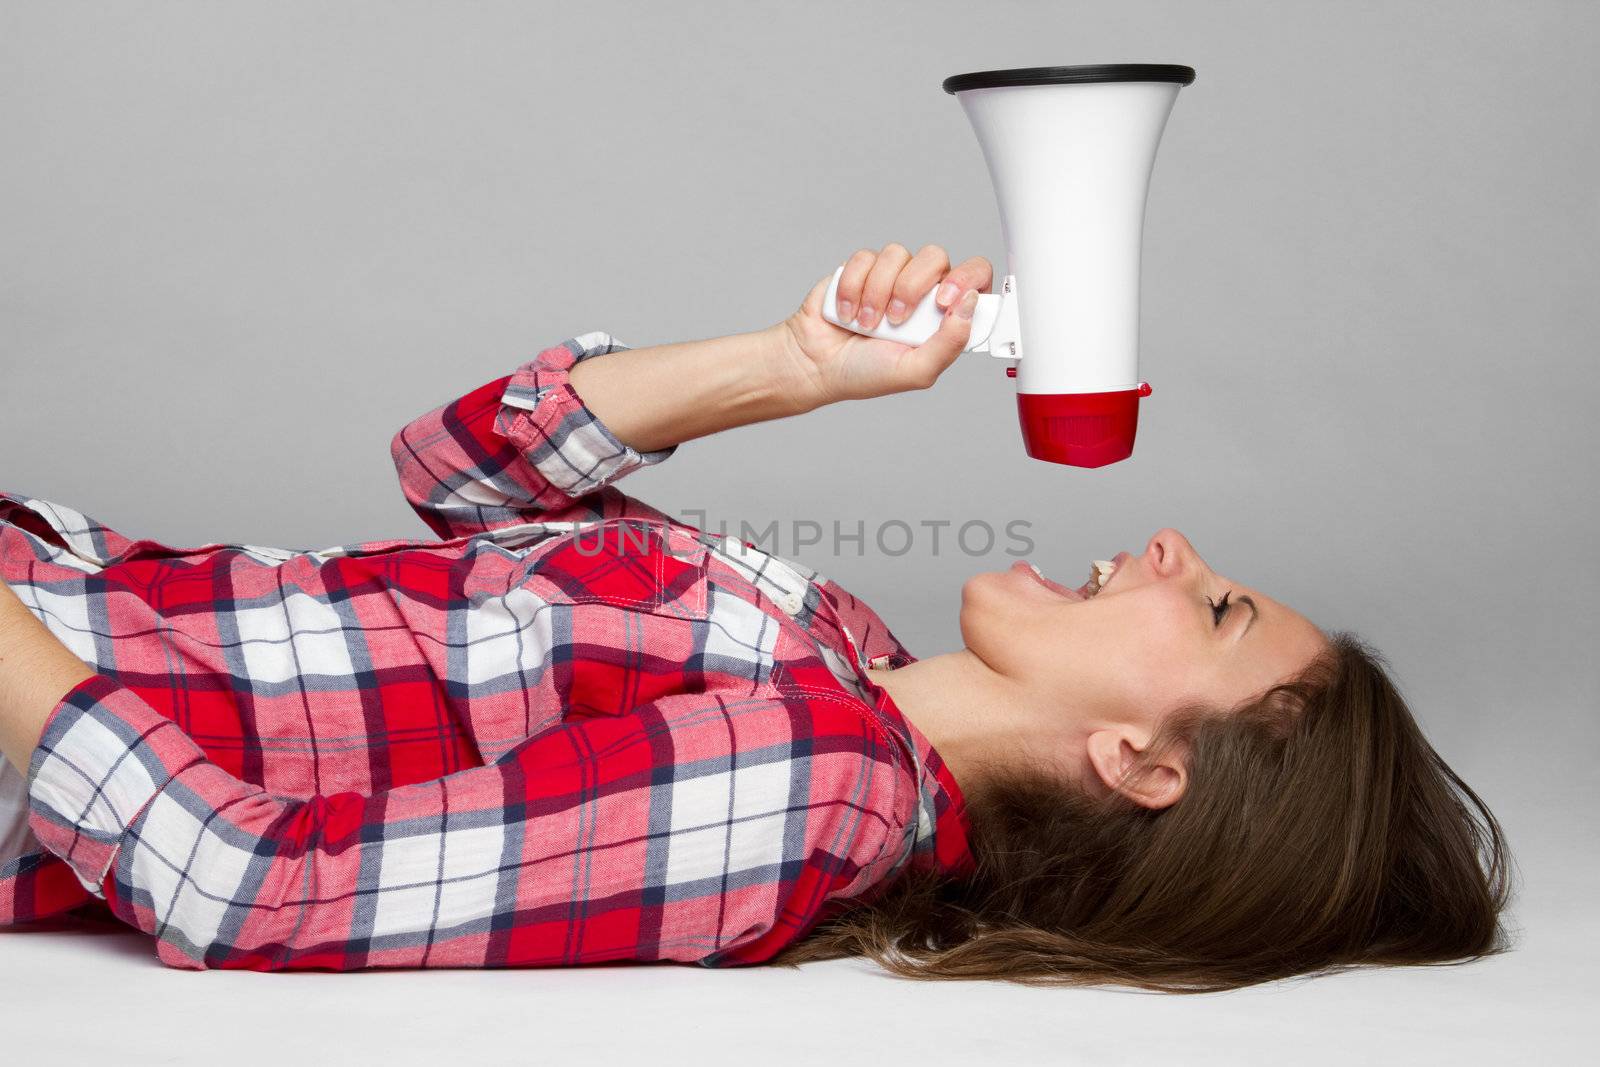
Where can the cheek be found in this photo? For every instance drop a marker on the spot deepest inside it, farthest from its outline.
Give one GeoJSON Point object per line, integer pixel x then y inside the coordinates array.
{"type": "Point", "coordinates": [1158, 661]}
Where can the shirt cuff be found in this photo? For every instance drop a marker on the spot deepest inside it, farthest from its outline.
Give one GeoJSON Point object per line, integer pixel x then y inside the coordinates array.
{"type": "Point", "coordinates": [103, 757]}
{"type": "Point", "coordinates": [546, 418]}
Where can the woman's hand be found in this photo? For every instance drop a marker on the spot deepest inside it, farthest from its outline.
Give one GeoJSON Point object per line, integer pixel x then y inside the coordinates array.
{"type": "Point", "coordinates": [831, 363]}
{"type": "Point", "coordinates": [36, 671]}
{"type": "Point", "coordinates": [654, 398]}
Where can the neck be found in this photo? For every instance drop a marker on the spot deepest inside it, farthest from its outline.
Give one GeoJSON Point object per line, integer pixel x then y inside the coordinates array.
{"type": "Point", "coordinates": [972, 715]}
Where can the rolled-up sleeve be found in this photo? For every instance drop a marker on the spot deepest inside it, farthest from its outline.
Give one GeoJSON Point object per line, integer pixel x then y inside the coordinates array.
{"type": "Point", "coordinates": [521, 448]}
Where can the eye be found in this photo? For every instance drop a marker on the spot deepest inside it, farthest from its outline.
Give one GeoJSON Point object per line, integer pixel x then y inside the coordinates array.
{"type": "Point", "coordinates": [1219, 608]}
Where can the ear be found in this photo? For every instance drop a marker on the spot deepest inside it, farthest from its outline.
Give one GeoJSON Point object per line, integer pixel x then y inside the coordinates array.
{"type": "Point", "coordinates": [1114, 752]}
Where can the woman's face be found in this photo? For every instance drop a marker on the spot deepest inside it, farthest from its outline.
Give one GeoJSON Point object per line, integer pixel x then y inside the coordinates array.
{"type": "Point", "coordinates": [1164, 631]}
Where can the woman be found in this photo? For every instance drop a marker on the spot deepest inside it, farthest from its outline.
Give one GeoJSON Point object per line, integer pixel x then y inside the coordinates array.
{"type": "Point", "coordinates": [573, 730]}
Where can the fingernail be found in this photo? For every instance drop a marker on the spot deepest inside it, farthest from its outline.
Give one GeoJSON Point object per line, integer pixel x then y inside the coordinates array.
{"type": "Point", "coordinates": [897, 310]}
{"type": "Point", "coordinates": [868, 315]}
{"type": "Point", "coordinates": [947, 293]}
{"type": "Point", "coordinates": [847, 309]}
{"type": "Point", "coordinates": [968, 305]}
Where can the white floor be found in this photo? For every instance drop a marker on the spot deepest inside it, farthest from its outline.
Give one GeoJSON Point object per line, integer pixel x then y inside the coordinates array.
{"type": "Point", "coordinates": [77, 995]}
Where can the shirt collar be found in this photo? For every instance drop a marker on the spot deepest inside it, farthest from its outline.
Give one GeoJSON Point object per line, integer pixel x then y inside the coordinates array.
{"type": "Point", "coordinates": [943, 830]}
{"type": "Point", "coordinates": [851, 638]}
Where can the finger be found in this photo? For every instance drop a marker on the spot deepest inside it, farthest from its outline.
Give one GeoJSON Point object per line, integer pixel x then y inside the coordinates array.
{"type": "Point", "coordinates": [922, 365]}
{"type": "Point", "coordinates": [925, 268]}
{"type": "Point", "coordinates": [880, 282]}
{"type": "Point", "coordinates": [852, 280]}
{"type": "Point", "coordinates": [975, 273]}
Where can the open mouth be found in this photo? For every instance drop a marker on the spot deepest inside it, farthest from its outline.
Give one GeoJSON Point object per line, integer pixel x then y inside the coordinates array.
{"type": "Point", "coordinates": [1101, 572]}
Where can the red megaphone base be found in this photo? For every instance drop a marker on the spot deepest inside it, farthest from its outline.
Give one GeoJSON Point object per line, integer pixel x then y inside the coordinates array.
{"type": "Point", "coordinates": [1080, 429]}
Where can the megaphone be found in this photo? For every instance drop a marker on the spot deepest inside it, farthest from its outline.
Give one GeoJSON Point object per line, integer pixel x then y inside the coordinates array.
{"type": "Point", "coordinates": [1070, 151]}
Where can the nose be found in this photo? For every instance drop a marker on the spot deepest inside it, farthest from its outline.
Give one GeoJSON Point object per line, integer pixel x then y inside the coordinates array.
{"type": "Point", "coordinates": [1170, 554]}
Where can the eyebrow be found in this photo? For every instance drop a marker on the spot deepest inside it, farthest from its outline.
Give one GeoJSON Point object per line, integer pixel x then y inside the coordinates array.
{"type": "Point", "coordinates": [1245, 599]}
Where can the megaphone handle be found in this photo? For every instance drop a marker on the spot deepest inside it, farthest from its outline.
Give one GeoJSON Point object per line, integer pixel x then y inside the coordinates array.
{"type": "Point", "coordinates": [923, 321]}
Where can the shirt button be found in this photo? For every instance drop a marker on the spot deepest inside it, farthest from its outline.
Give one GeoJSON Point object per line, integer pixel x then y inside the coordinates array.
{"type": "Point", "coordinates": [792, 603]}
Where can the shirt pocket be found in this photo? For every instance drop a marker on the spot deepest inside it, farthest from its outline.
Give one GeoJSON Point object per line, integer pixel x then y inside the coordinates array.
{"type": "Point", "coordinates": [633, 564]}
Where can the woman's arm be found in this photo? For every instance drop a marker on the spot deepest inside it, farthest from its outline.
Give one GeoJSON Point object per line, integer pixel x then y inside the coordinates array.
{"type": "Point", "coordinates": [521, 448]}
{"type": "Point", "coordinates": [657, 398]}
{"type": "Point", "coordinates": [540, 444]}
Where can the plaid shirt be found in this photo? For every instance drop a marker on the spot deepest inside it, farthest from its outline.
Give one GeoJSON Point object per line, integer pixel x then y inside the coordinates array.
{"type": "Point", "coordinates": [573, 730]}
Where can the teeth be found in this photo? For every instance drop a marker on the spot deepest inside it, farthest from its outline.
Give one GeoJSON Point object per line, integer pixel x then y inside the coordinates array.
{"type": "Point", "coordinates": [1100, 575]}
{"type": "Point", "coordinates": [1036, 569]}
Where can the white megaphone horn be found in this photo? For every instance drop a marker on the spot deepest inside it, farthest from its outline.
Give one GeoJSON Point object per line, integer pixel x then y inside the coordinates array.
{"type": "Point", "coordinates": [1070, 151]}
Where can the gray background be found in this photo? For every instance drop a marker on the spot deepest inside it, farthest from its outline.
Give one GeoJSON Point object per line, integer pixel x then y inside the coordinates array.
{"type": "Point", "coordinates": [245, 243]}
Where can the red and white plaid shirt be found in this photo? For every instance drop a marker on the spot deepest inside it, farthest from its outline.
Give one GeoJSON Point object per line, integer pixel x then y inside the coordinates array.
{"type": "Point", "coordinates": [573, 731]}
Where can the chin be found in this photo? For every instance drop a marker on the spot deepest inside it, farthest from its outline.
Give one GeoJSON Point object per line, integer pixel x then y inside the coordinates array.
{"type": "Point", "coordinates": [982, 584]}
{"type": "Point", "coordinates": [982, 595]}
{"type": "Point", "coordinates": [972, 592]}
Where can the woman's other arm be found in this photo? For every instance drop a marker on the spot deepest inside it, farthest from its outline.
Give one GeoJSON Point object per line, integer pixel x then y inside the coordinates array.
{"type": "Point", "coordinates": [691, 829]}
{"type": "Point", "coordinates": [35, 670]}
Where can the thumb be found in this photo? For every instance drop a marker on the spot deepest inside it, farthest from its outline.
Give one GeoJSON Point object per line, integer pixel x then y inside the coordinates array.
{"type": "Point", "coordinates": [925, 363]}
{"type": "Point", "coordinates": [812, 304]}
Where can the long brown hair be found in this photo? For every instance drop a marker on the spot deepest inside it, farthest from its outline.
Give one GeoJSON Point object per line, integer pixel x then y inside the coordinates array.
{"type": "Point", "coordinates": [1318, 831]}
